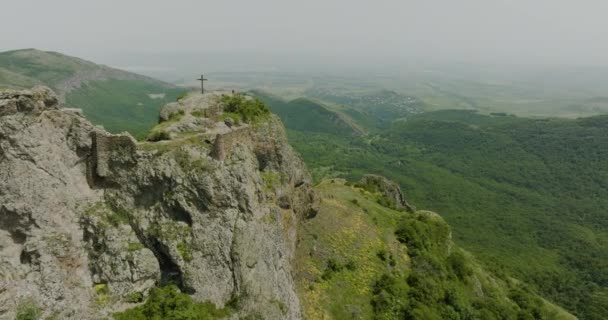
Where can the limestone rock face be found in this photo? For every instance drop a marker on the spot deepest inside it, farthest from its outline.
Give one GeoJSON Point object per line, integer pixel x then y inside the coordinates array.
{"type": "Point", "coordinates": [43, 187]}
{"type": "Point", "coordinates": [90, 222]}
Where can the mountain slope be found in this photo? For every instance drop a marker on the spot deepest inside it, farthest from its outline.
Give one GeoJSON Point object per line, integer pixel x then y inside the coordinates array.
{"type": "Point", "coordinates": [116, 99]}
{"type": "Point", "coordinates": [525, 196]}
{"type": "Point", "coordinates": [306, 115]}
{"type": "Point", "coordinates": [358, 259]}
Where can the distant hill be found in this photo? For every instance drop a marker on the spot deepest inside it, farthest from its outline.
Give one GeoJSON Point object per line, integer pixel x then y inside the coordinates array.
{"type": "Point", "coordinates": [374, 109]}
{"type": "Point", "coordinates": [306, 115]}
{"type": "Point", "coordinates": [116, 99]}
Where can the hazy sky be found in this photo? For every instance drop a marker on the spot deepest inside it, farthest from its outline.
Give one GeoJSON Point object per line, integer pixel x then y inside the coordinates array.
{"type": "Point", "coordinates": [552, 31]}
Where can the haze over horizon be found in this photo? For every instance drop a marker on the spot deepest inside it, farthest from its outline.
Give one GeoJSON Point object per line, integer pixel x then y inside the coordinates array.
{"type": "Point", "coordinates": [498, 32]}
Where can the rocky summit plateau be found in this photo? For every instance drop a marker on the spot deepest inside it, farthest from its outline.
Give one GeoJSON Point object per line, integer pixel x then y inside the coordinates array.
{"type": "Point", "coordinates": [90, 222]}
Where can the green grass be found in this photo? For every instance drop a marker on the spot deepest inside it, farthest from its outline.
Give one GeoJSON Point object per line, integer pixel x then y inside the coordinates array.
{"type": "Point", "coordinates": [184, 251]}
{"type": "Point", "coordinates": [109, 217]}
{"type": "Point", "coordinates": [122, 105]}
{"type": "Point", "coordinates": [358, 259]}
{"type": "Point", "coordinates": [41, 67]}
{"type": "Point", "coordinates": [271, 179]}
{"type": "Point", "coordinates": [342, 232]}
{"type": "Point", "coordinates": [168, 303]}
{"type": "Point", "coordinates": [134, 246]}
{"type": "Point", "coordinates": [28, 310]}
{"type": "Point", "coordinates": [9, 79]}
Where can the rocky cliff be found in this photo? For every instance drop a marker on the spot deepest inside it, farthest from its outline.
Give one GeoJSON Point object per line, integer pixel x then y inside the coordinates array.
{"type": "Point", "coordinates": [90, 222]}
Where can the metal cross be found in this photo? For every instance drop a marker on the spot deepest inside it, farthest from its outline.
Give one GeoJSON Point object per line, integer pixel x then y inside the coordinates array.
{"type": "Point", "coordinates": [202, 80]}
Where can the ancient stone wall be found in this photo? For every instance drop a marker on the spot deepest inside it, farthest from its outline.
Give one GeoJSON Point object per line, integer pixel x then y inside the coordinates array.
{"type": "Point", "coordinates": [225, 142]}
{"type": "Point", "coordinates": [214, 111]}
{"type": "Point", "coordinates": [105, 147]}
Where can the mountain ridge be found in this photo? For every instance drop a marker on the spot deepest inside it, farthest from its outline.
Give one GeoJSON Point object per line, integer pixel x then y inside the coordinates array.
{"type": "Point", "coordinates": [308, 115]}
{"type": "Point", "coordinates": [116, 99]}
{"type": "Point", "coordinates": [80, 71]}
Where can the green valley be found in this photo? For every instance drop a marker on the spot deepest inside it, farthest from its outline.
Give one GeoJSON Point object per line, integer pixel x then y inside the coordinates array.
{"type": "Point", "coordinates": [122, 105]}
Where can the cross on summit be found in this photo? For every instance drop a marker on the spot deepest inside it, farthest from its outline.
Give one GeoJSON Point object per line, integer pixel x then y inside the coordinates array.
{"type": "Point", "coordinates": [202, 80]}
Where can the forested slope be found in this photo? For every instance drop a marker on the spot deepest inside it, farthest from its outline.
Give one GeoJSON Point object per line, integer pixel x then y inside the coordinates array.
{"type": "Point", "coordinates": [529, 197]}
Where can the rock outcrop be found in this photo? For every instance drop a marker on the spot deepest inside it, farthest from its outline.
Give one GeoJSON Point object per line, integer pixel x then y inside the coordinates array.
{"type": "Point", "coordinates": [90, 222]}
{"type": "Point", "coordinates": [32, 101]}
{"type": "Point", "coordinates": [389, 189]}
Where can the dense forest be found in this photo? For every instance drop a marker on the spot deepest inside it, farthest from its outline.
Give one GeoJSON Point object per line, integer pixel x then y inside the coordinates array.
{"type": "Point", "coordinates": [527, 196]}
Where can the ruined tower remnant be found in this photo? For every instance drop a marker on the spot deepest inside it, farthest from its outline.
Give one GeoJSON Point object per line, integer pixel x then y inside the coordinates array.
{"type": "Point", "coordinates": [109, 148]}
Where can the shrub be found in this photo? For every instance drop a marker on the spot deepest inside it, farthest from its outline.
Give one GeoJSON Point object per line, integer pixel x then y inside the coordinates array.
{"type": "Point", "coordinates": [271, 179]}
{"type": "Point", "coordinates": [389, 297]}
{"type": "Point", "coordinates": [101, 288]}
{"type": "Point", "coordinates": [423, 234]}
{"type": "Point", "coordinates": [102, 293]}
{"type": "Point", "coordinates": [181, 96]}
{"type": "Point", "coordinates": [386, 202]}
{"type": "Point", "coordinates": [134, 246]}
{"type": "Point", "coordinates": [459, 265]}
{"type": "Point", "coordinates": [382, 254]}
{"type": "Point", "coordinates": [184, 251]}
{"type": "Point", "coordinates": [332, 267]}
{"type": "Point", "coordinates": [351, 265]}
{"type": "Point", "coordinates": [177, 115]}
{"type": "Point", "coordinates": [117, 218]}
{"type": "Point", "coordinates": [168, 303]}
{"type": "Point", "coordinates": [159, 135]}
{"type": "Point", "coordinates": [134, 297]}
{"type": "Point", "coordinates": [198, 113]}
{"type": "Point", "coordinates": [28, 310]}
{"type": "Point", "coordinates": [391, 260]}
{"type": "Point", "coordinates": [250, 110]}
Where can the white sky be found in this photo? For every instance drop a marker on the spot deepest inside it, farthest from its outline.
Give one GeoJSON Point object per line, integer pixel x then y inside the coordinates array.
{"type": "Point", "coordinates": [535, 31]}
